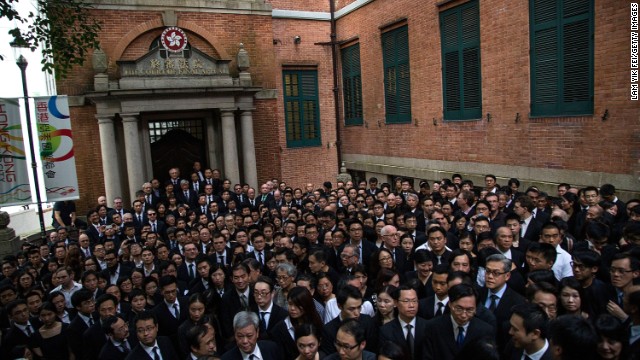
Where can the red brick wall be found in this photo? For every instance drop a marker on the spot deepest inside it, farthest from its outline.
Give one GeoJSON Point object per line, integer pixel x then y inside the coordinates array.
{"type": "Point", "coordinates": [314, 164]}
{"type": "Point", "coordinates": [574, 143]}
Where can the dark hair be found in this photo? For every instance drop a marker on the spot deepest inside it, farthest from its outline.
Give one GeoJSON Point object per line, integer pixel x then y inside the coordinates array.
{"type": "Point", "coordinates": [146, 315]}
{"type": "Point", "coordinates": [167, 280]}
{"type": "Point", "coordinates": [611, 327]}
{"type": "Point", "coordinates": [461, 290]}
{"type": "Point", "coordinates": [575, 335]}
{"type": "Point", "coordinates": [301, 297]}
{"type": "Point", "coordinates": [348, 291]}
{"type": "Point", "coordinates": [80, 296]}
{"type": "Point", "coordinates": [267, 280]}
{"type": "Point", "coordinates": [483, 348]}
{"type": "Point", "coordinates": [538, 276]}
{"type": "Point", "coordinates": [353, 328]}
{"type": "Point", "coordinates": [393, 351]}
{"type": "Point", "coordinates": [308, 330]}
{"type": "Point", "coordinates": [194, 335]}
{"type": "Point", "coordinates": [548, 251]}
{"type": "Point", "coordinates": [422, 256]}
{"type": "Point", "coordinates": [533, 317]}
{"type": "Point", "coordinates": [13, 304]}
{"type": "Point", "coordinates": [588, 258]}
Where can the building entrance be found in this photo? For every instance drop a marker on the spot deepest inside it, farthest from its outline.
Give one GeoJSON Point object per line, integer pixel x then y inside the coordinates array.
{"type": "Point", "coordinates": [177, 143]}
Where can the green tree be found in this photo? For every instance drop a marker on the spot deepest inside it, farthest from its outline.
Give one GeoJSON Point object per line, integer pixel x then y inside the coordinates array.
{"type": "Point", "coordinates": [64, 29]}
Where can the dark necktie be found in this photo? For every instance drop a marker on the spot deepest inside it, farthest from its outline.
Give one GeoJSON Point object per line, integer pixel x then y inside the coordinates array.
{"type": "Point", "coordinates": [156, 356]}
{"type": "Point", "coordinates": [527, 357]}
{"type": "Point", "coordinates": [263, 321]}
{"type": "Point", "coordinates": [29, 332]}
{"type": "Point", "coordinates": [252, 357]}
{"type": "Point", "coordinates": [243, 302]}
{"type": "Point", "coordinates": [494, 302]}
{"type": "Point", "coordinates": [90, 321]}
{"type": "Point", "coordinates": [460, 338]}
{"type": "Point", "coordinates": [186, 195]}
{"type": "Point", "coordinates": [176, 312]}
{"type": "Point", "coordinates": [260, 257]}
{"type": "Point", "coordinates": [153, 227]}
{"type": "Point", "coordinates": [149, 199]}
{"type": "Point", "coordinates": [221, 260]}
{"type": "Point", "coordinates": [409, 339]}
{"type": "Point", "coordinates": [440, 307]}
{"type": "Point", "coordinates": [191, 273]}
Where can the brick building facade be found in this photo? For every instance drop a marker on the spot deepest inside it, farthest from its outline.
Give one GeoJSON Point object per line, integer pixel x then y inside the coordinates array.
{"type": "Point", "coordinates": [399, 114]}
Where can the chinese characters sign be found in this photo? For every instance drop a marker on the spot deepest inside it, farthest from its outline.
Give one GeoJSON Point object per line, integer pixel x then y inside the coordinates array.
{"type": "Point", "coordinates": [14, 178]}
{"type": "Point", "coordinates": [56, 148]}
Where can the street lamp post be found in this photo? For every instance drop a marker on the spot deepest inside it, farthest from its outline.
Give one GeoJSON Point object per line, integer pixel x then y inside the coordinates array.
{"type": "Point", "coordinates": [22, 63]}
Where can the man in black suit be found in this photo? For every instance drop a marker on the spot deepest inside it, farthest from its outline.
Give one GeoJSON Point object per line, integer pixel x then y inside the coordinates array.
{"type": "Point", "coordinates": [350, 342]}
{"type": "Point", "coordinates": [82, 301]}
{"type": "Point", "coordinates": [186, 195]}
{"type": "Point", "coordinates": [411, 223]}
{"type": "Point", "coordinates": [497, 296]}
{"type": "Point", "coordinates": [201, 342]}
{"type": "Point", "coordinates": [270, 314]}
{"type": "Point", "coordinates": [245, 330]}
{"type": "Point", "coordinates": [187, 270]}
{"type": "Point", "coordinates": [529, 324]}
{"type": "Point", "coordinates": [448, 334]}
{"type": "Point", "coordinates": [504, 243]}
{"type": "Point", "coordinates": [94, 338]}
{"type": "Point", "coordinates": [530, 228]}
{"type": "Point", "coordinates": [349, 300]}
{"type": "Point", "coordinates": [407, 330]}
{"type": "Point", "coordinates": [155, 225]}
{"type": "Point", "coordinates": [148, 197]}
{"type": "Point", "coordinates": [172, 310]}
{"type": "Point", "coordinates": [119, 340]}
{"type": "Point", "coordinates": [237, 299]}
{"type": "Point", "coordinates": [20, 332]}
{"type": "Point", "coordinates": [150, 345]}
{"type": "Point", "coordinates": [572, 337]}
{"type": "Point", "coordinates": [437, 243]}
{"type": "Point", "coordinates": [391, 242]}
{"type": "Point", "coordinates": [223, 254]}
{"type": "Point", "coordinates": [365, 247]}
{"type": "Point", "coordinates": [436, 305]}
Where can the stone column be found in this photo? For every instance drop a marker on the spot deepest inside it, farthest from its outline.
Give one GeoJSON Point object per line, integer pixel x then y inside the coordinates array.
{"type": "Point", "coordinates": [229, 144]}
{"type": "Point", "coordinates": [110, 166]}
{"type": "Point", "coordinates": [135, 166]}
{"type": "Point", "coordinates": [249, 149]}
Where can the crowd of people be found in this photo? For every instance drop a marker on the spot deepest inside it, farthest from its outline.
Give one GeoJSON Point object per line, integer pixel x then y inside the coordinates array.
{"type": "Point", "coordinates": [200, 269]}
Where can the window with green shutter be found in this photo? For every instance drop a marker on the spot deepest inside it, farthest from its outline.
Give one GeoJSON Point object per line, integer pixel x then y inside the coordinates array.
{"type": "Point", "coordinates": [397, 85]}
{"type": "Point", "coordinates": [301, 108]}
{"type": "Point", "coordinates": [352, 85]}
{"type": "Point", "coordinates": [561, 57]}
{"type": "Point", "coordinates": [460, 39]}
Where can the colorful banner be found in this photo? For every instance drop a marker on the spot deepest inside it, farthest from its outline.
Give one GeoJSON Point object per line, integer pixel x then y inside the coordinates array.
{"type": "Point", "coordinates": [14, 176]}
{"type": "Point", "coordinates": [56, 144]}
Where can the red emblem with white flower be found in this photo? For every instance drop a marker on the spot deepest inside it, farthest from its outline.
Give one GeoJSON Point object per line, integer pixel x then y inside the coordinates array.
{"type": "Point", "coordinates": [174, 39]}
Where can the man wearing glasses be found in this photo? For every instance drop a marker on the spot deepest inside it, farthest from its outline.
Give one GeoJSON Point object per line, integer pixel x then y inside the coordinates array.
{"type": "Point", "coordinates": [497, 296]}
{"type": "Point", "coordinates": [350, 342]}
{"type": "Point", "coordinates": [407, 330]}
{"type": "Point", "coordinates": [624, 270]}
{"type": "Point", "coordinates": [450, 332]}
{"type": "Point", "coordinates": [269, 313]}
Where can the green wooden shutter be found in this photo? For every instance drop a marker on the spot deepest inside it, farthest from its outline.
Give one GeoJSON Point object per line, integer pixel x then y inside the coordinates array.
{"type": "Point", "coordinates": [302, 111]}
{"type": "Point", "coordinates": [460, 38]}
{"type": "Point", "coordinates": [352, 85]}
{"type": "Point", "coordinates": [561, 57]}
{"type": "Point", "coordinates": [397, 75]}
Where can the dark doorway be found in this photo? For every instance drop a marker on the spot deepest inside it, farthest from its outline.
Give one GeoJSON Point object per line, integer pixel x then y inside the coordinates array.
{"type": "Point", "coordinates": [176, 144]}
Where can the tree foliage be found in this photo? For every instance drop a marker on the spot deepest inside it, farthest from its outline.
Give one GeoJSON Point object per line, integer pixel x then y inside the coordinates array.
{"type": "Point", "coordinates": [63, 29]}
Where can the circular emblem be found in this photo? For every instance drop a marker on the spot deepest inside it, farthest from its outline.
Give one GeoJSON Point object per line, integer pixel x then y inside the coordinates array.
{"type": "Point", "coordinates": [174, 39]}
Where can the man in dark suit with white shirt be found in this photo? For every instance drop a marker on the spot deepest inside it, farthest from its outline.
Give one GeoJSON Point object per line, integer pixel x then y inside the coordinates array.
{"type": "Point", "coordinates": [407, 330]}
{"type": "Point", "coordinates": [529, 327]}
{"type": "Point", "coordinates": [246, 332]}
{"type": "Point", "coordinates": [449, 333]}
{"type": "Point", "coordinates": [270, 314]}
{"type": "Point", "coordinates": [150, 346]}
{"type": "Point", "coordinates": [119, 340]}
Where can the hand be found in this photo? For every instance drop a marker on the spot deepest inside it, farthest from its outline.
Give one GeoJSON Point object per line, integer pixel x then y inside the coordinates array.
{"type": "Point", "coordinates": [616, 311]}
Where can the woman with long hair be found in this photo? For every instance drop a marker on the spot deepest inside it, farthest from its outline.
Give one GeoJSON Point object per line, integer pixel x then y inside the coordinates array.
{"type": "Point", "coordinates": [381, 259]}
{"type": "Point", "coordinates": [571, 298]}
{"type": "Point", "coordinates": [387, 277]}
{"type": "Point", "coordinates": [50, 341]}
{"type": "Point", "coordinates": [386, 310]}
{"type": "Point", "coordinates": [613, 338]}
{"type": "Point", "coordinates": [324, 288]}
{"type": "Point", "coordinates": [308, 339]}
{"type": "Point", "coordinates": [301, 311]}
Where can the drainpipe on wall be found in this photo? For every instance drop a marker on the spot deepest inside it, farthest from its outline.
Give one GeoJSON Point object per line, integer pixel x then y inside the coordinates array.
{"type": "Point", "coordinates": [336, 98]}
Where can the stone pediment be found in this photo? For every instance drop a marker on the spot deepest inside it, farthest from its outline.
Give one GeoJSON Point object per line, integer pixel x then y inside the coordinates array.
{"type": "Point", "coordinates": [160, 69]}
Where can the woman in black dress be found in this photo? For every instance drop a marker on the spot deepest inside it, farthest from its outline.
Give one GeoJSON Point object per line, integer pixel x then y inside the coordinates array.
{"type": "Point", "coordinates": [50, 341]}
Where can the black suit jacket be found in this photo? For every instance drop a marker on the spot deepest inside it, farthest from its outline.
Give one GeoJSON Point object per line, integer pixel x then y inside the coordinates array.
{"type": "Point", "coordinates": [368, 248]}
{"type": "Point", "coordinates": [93, 339]}
{"type": "Point", "coordinates": [229, 307]}
{"type": "Point", "coordinates": [166, 350]}
{"type": "Point", "coordinates": [75, 333]}
{"type": "Point", "coordinates": [268, 349]}
{"type": "Point", "coordinates": [509, 299]}
{"type": "Point", "coordinates": [281, 336]}
{"type": "Point", "coordinates": [392, 331]}
{"type": "Point", "coordinates": [167, 323]}
{"type": "Point", "coordinates": [12, 338]}
{"type": "Point", "coordinates": [533, 231]}
{"type": "Point", "coordinates": [330, 331]}
{"type": "Point", "coordinates": [111, 352]}
{"type": "Point", "coordinates": [426, 308]}
{"type": "Point", "coordinates": [511, 353]}
{"type": "Point", "coordinates": [441, 343]}
{"type": "Point", "coordinates": [183, 272]}
{"type": "Point", "coordinates": [277, 315]}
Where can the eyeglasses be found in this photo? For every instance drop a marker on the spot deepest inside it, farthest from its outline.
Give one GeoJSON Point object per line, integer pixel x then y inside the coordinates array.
{"type": "Point", "coordinates": [386, 258]}
{"type": "Point", "coordinates": [459, 310]}
{"type": "Point", "coordinates": [346, 256]}
{"type": "Point", "coordinates": [494, 273]}
{"type": "Point", "coordinates": [615, 270]}
{"type": "Point", "coordinates": [345, 347]}
{"type": "Point", "coordinates": [261, 293]}
{"type": "Point", "coordinates": [145, 329]}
